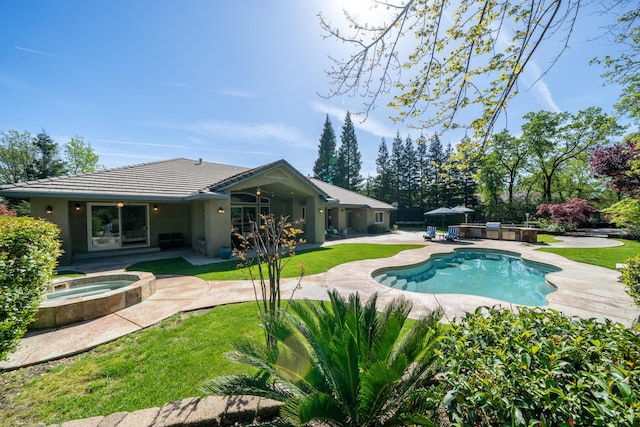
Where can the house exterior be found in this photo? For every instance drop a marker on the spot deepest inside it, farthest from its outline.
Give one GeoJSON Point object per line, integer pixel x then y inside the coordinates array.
{"type": "Point", "coordinates": [182, 202]}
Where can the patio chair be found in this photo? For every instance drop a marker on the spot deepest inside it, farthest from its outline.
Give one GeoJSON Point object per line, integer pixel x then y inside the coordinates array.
{"type": "Point", "coordinates": [431, 232]}
{"type": "Point", "coordinates": [452, 234]}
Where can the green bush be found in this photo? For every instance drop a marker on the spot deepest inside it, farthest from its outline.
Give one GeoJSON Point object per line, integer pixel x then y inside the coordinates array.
{"type": "Point", "coordinates": [631, 278]}
{"type": "Point", "coordinates": [29, 250]}
{"type": "Point", "coordinates": [537, 367]}
{"type": "Point", "coordinates": [376, 229]}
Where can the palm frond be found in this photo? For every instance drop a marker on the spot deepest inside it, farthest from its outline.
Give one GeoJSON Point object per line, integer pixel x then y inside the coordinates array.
{"type": "Point", "coordinates": [261, 385]}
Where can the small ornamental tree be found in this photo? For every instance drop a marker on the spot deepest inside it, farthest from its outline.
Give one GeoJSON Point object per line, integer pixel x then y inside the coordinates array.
{"type": "Point", "coordinates": [266, 251]}
{"type": "Point", "coordinates": [29, 249]}
{"type": "Point", "coordinates": [614, 162]}
{"type": "Point", "coordinates": [570, 213]}
{"type": "Point", "coordinates": [5, 211]}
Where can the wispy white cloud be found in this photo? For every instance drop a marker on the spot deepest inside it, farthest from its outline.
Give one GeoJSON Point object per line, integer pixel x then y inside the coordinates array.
{"type": "Point", "coordinates": [141, 144]}
{"type": "Point", "coordinates": [370, 125]}
{"type": "Point", "coordinates": [237, 131]}
{"type": "Point", "coordinates": [541, 90]}
{"type": "Point", "coordinates": [237, 93]}
{"type": "Point", "coordinates": [39, 52]}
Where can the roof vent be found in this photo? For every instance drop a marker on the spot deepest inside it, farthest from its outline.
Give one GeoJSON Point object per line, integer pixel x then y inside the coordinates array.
{"type": "Point", "coordinates": [200, 161]}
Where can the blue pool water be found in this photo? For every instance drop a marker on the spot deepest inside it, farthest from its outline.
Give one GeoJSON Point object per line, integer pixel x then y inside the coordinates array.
{"type": "Point", "coordinates": [87, 290]}
{"type": "Point", "coordinates": [494, 274]}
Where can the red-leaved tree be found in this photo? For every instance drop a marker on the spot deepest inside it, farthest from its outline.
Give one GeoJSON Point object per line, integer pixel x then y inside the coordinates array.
{"type": "Point", "coordinates": [5, 211]}
{"type": "Point", "coordinates": [614, 162]}
{"type": "Point", "coordinates": [574, 211]}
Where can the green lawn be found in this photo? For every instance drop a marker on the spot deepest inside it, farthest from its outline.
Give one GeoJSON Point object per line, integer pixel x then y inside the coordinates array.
{"type": "Point", "coordinates": [603, 257]}
{"type": "Point", "coordinates": [163, 363]}
{"type": "Point", "coordinates": [314, 260]}
{"type": "Point", "coordinates": [170, 361]}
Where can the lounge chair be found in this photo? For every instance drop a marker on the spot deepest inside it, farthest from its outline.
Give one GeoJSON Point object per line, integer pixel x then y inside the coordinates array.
{"type": "Point", "coordinates": [452, 234]}
{"type": "Point", "coordinates": [431, 232]}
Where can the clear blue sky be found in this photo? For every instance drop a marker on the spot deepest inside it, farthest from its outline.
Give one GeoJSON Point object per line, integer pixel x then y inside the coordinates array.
{"type": "Point", "coordinates": [233, 82]}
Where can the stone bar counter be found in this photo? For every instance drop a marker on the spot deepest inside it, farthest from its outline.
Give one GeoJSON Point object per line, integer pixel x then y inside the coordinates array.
{"type": "Point", "coordinates": [495, 230]}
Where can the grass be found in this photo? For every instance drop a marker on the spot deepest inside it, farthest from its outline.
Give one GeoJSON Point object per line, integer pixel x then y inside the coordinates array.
{"type": "Point", "coordinates": [315, 261]}
{"type": "Point", "coordinates": [603, 257]}
{"type": "Point", "coordinates": [149, 368]}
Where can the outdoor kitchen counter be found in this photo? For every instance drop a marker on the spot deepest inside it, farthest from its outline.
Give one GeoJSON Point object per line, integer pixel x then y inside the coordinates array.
{"type": "Point", "coordinates": [499, 232]}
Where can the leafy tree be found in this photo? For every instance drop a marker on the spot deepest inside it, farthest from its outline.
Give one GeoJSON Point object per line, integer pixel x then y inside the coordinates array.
{"type": "Point", "coordinates": [538, 367]}
{"type": "Point", "coordinates": [29, 250]}
{"type": "Point", "coordinates": [458, 56]}
{"type": "Point", "coordinates": [555, 138]}
{"type": "Point", "coordinates": [573, 212]}
{"type": "Point", "coordinates": [47, 162]}
{"type": "Point", "coordinates": [491, 183]}
{"type": "Point", "coordinates": [512, 156]}
{"type": "Point", "coordinates": [349, 161]}
{"type": "Point", "coordinates": [80, 156]}
{"type": "Point", "coordinates": [614, 162]}
{"type": "Point", "coordinates": [625, 213]}
{"type": "Point", "coordinates": [273, 243]}
{"type": "Point", "coordinates": [324, 167]}
{"type": "Point", "coordinates": [17, 156]}
{"type": "Point", "coordinates": [625, 69]}
{"type": "Point", "coordinates": [343, 363]}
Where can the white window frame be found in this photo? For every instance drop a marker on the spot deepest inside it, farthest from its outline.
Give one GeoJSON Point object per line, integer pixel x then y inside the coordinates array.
{"type": "Point", "coordinates": [375, 217]}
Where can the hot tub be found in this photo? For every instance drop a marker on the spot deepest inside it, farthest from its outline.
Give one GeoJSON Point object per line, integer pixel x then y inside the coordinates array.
{"type": "Point", "coordinates": [91, 297]}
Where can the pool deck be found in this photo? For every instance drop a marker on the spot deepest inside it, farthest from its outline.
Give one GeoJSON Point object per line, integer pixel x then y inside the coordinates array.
{"type": "Point", "coordinates": [584, 290]}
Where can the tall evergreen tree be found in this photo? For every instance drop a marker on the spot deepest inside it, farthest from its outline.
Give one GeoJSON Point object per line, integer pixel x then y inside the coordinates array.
{"type": "Point", "coordinates": [436, 187]}
{"type": "Point", "coordinates": [349, 158]}
{"type": "Point", "coordinates": [383, 179]}
{"type": "Point", "coordinates": [324, 167]}
{"type": "Point", "coordinates": [47, 162]}
{"type": "Point", "coordinates": [396, 166]}
{"type": "Point", "coordinates": [409, 175]}
{"type": "Point", "coordinates": [423, 169]}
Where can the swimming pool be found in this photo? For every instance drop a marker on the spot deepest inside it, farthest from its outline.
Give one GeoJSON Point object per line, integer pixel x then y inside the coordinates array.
{"type": "Point", "coordinates": [501, 275]}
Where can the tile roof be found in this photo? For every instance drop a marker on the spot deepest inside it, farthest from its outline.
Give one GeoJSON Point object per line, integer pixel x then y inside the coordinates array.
{"type": "Point", "coordinates": [174, 179]}
{"type": "Point", "coordinates": [349, 198]}
{"type": "Point", "coordinates": [171, 180]}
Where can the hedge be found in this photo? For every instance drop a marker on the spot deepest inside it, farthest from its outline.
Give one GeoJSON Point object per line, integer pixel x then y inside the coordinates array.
{"type": "Point", "coordinates": [29, 249]}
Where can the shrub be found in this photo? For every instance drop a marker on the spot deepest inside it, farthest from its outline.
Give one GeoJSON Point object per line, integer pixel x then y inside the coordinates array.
{"type": "Point", "coordinates": [631, 279]}
{"type": "Point", "coordinates": [376, 229]}
{"type": "Point", "coordinates": [28, 253]}
{"type": "Point", "coordinates": [537, 367]}
{"type": "Point", "coordinates": [5, 211]}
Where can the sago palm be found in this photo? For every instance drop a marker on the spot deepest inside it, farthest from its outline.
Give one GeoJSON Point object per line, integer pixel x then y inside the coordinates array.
{"type": "Point", "coordinates": [343, 363]}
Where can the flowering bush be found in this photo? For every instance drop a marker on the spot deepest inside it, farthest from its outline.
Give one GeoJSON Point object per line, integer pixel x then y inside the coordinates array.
{"type": "Point", "coordinates": [572, 212]}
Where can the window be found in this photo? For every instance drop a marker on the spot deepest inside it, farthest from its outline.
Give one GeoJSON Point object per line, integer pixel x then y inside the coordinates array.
{"type": "Point", "coordinates": [244, 208]}
{"type": "Point", "coordinates": [378, 217]}
{"type": "Point", "coordinates": [111, 227]}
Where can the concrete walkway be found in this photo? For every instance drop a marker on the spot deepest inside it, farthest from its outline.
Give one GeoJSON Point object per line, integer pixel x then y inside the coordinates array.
{"type": "Point", "coordinates": [583, 290]}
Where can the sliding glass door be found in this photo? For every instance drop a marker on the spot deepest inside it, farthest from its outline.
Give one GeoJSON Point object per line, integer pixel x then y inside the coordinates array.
{"type": "Point", "coordinates": [111, 227]}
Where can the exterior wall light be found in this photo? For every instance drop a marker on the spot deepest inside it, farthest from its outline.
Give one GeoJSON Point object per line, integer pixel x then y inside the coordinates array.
{"type": "Point", "coordinates": [120, 204]}
{"type": "Point", "coordinates": [77, 207]}
{"type": "Point", "coordinates": [321, 210]}
{"type": "Point", "coordinates": [48, 210]}
{"type": "Point", "coordinates": [155, 208]}
{"type": "Point", "coordinates": [258, 191]}
{"type": "Point", "coordinates": [220, 210]}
